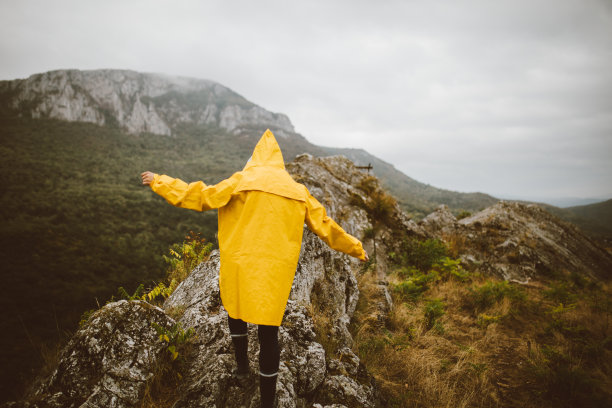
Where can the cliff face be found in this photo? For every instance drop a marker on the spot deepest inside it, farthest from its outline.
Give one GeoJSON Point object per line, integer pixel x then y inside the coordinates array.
{"type": "Point", "coordinates": [135, 101]}
{"type": "Point", "coordinates": [109, 361]}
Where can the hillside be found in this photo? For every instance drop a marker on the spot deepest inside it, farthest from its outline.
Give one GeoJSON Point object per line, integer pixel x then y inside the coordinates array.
{"type": "Point", "coordinates": [160, 104]}
{"type": "Point", "coordinates": [76, 225]}
{"type": "Point", "coordinates": [594, 218]}
{"type": "Point", "coordinates": [418, 199]}
{"type": "Point", "coordinates": [428, 323]}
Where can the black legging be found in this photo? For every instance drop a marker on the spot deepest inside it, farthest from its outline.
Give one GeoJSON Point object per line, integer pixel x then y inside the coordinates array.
{"type": "Point", "coordinates": [269, 352]}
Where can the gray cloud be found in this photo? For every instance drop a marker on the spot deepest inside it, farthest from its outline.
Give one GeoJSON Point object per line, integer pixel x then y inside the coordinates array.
{"type": "Point", "coordinates": [512, 98]}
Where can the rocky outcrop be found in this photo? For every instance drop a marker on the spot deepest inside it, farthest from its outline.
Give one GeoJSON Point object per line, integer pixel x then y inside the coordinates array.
{"type": "Point", "coordinates": [137, 102]}
{"type": "Point", "coordinates": [107, 362]}
{"type": "Point", "coordinates": [335, 182]}
{"type": "Point", "coordinates": [520, 242]}
{"type": "Point", "coordinates": [308, 373]}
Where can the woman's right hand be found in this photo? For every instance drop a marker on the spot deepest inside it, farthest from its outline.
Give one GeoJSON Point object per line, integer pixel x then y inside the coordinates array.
{"type": "Point", "coordinates": [147, 178]}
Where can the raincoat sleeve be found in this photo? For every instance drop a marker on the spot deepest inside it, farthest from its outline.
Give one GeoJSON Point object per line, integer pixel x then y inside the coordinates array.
{"type": "Point", "coordinates": [330, 232]}
{"type": "Point", "coordinates": [194, 196]}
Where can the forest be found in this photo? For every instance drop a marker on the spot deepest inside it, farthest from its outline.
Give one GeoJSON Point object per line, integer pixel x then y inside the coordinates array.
{"type": "Point", "coordinates": [77, 224]}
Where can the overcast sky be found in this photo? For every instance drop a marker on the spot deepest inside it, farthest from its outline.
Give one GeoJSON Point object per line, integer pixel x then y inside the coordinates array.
{"type": "Point", "coordinates": [508, 97]}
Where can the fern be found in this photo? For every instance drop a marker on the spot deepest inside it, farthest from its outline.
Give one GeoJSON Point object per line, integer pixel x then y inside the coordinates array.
{"type": "Point", "coordinates": [160, 290]}
{"type": "Point", "coordinates": [175, 337]}
{"type": "Point", "coordinates": [123, 294]}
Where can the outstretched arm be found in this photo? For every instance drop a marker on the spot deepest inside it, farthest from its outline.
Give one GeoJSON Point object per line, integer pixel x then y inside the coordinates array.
{"type": "Point", "coordinates": [194, 196]}
{"type": "Point", "coordinates": [330, 232]}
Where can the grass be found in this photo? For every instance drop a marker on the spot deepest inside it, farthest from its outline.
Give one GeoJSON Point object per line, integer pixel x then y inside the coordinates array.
{"type": "Point", "coordinates": [160, 389]}
{"type": "Point", "coordinates": [481, 342]}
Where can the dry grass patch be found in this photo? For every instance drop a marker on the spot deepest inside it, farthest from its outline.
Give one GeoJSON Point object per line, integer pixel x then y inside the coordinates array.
{"type": "Point", "coordinates": [482, 342]}
{"type": "Point", "coordinates": [417, 363]}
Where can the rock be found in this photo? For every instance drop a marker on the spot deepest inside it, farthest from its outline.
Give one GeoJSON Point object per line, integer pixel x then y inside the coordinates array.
{"type": "Point", "coordinates": [323, 274]}
{"type": "Point", "coordinates": [108, 361]}
{"type": "Point", "coordinates": [345, 389]}
{"type": "Point", "coordinates": [439, 222]}
{"type": "Point", "coordinates": [334, 181]}
{"type": "Point", "coordinates": [520, 242]}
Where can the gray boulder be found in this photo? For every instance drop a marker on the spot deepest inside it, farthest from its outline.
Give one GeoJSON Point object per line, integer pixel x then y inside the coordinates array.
{"type": "Point", "coordinates": [107, 362]}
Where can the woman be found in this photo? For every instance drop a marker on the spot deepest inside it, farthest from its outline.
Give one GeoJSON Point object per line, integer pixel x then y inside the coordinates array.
{"type": "Point", "coordinates": [261, 212]}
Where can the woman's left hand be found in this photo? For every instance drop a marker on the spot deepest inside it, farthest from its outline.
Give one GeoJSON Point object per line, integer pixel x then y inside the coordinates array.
{"type": "Point", "coordinates": [147, 178]}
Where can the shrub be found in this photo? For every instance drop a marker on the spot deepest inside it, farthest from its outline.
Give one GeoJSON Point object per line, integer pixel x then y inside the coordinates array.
{"type": "Point", "coordinates": [186, 256]}
{"type": "Point", "coordinates": [160, 388]}
{"type": "Point", "coordinates": [484, 319]}
{"type": "Point", "coordinates": [176, 337]}
{"type": "Point", "coordinates": [562, 378]}
{"type": "Point", "coordinates": [378, 204]}
{"type": "Point", "coordinates": [560, 292]}
{"type": "Point", "coordinates": [86, 316]}
{"type": "Point", "coordinates": [452, 268]}
{"type": "Point", "coordinates": [434, 309]}
{"type": "Point", "coordinates": [161, 290]}
{"type": "Point", "coordinates": [123, 294]}
{"type": "Point", "coordinates": [368, 185]}
{"type": "Point", "coordinates": [373, 346]}
{"type": "Point", "coordinates": [421, 254]}
{"type": "Point", "coordinates": [408, 290]}
{"type": "Point", "coordinates": [463, 214]}
{"type": "Point", "coordinates": [490, 293]}
{"type": "Point", "coordinates": [566, 327]}
{"type": "Point", "coordinates": [408, 272]}
{"type": "Point", "coordinates": [415, 284]}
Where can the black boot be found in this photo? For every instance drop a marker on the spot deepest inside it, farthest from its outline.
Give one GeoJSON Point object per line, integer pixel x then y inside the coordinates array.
{"type": "Point", "coordinates": [241, 343]}
{"type": "Point", "coordinates": [267, 389]}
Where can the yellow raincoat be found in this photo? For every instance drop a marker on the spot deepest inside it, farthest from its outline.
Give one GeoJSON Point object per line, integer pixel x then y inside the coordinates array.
{"type": "Point", "coordinates": [262, 211]}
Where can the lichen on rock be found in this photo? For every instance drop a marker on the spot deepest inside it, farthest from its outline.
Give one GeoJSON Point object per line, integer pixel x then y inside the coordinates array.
{"type": "Point", "coordinates": [107, 362]}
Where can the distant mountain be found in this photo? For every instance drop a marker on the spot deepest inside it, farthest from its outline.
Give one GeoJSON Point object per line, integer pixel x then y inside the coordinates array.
{"type": "Point", "coordinates": [161, 104]}
{"type": "Point", "coordinates": [594, 218]}
{"type": "Point", "coordinates": [137, 102]}
{"type": "Point", "coordinates": [564, 202]}
{"type": "Point", "coordinates": [561, 202]}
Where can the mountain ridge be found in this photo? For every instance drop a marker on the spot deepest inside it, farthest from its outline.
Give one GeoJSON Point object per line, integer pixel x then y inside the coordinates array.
{"type": "Point", "coordinates": [159, 103]}
{"type": "Point", "coordinates": [138, 102]}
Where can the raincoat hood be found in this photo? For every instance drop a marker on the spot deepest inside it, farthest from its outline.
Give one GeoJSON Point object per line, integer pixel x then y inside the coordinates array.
{"type": "Point", "coordinates": [266, 153]}
{"type": "Point", "coordinates": [266, 171]}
